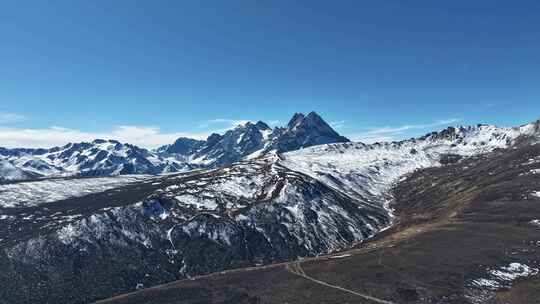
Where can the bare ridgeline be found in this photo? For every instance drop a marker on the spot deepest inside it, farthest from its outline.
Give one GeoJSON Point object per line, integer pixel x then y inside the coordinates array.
{"type": "Point", "coordinates": [302, 214]}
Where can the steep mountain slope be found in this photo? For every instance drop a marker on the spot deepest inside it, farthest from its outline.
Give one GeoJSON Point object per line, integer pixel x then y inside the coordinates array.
{"type": "Point", "coordinates": [277, 207]}
{"type": "Point", "coordinates": [249, 213]}
{"type": "Point", "coordinates": [464, 233]}
{"type": "Point", "coordinates": [232, 146]}
{"type": "Point", "coordinates": [305, 131]}
{"type": "Point", "coordinates": [368, 171]}
{"type": "Point", "coordinates": [182, 146]}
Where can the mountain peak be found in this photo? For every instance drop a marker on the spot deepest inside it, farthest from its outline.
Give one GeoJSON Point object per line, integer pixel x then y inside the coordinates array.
{"type": "Point", "coordinates": [183, 146]}
{"type": "Point", "coordinates": [262, 125]}
{"type": "Point", "coordinates": [304, 131]}
{"type": "Point", "coordinates": [313, 115]}
{"type": "Point", "coordinates": [313, 122]}
{"type": "Point", "coordinates": [296, 119]}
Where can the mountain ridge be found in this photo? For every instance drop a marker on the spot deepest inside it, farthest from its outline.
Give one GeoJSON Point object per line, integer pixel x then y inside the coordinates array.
{"type": "Point", "coordinates": [132, 231]}
{"type": "Point", "coordinates": [111, 157]}
{"type": "Point", "coordinates": [250, 140]}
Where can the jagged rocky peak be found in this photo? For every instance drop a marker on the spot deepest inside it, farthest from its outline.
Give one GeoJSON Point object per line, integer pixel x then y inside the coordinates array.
{"type": "Point", "coordinates": [304, 131]}
{"type": "Point", "coordinates": [450, 133]}
{"type": "Point", "coordinates": [99, 141]}
{"type": "Point", "coordinates": [311, 120]}
{"type": "Point", "coordinates": [295, 120]}
{"type": "Point", "coordinates": [96, 158]}
{"type": "Point", "coordinates": [234, 145]}
{"type": "Point", "coordinates": [183, 146]}
{"type": "Point", "coordinates": [262, 125]}
{"type": "Point", "coordinates": [107, 157]}
{"type": "Point", "coordinates": [213, 138]}
{"type": "Point", "coordinates": [252, 139]}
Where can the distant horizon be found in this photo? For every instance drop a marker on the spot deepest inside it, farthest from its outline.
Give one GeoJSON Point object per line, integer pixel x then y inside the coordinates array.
{"type": "Point", "coordinates": [150, 72]}
{"type": "Point", "coordinates": [131, 135]}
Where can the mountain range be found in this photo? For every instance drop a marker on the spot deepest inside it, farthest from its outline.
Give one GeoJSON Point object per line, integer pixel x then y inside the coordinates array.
{"type": "Point", "coordinates": [110, 157]}
{"type": "Point", "coordinates": [250, 197]}
{"type": "Point", "coordinates": [463, 233]}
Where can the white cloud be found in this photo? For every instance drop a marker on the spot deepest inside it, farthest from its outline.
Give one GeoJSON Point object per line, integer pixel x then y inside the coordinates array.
{"type": "Point", "coordinates": [7, 118]}
{"type": "Point", "coordinates": [274, 123]}
{"type": "Point", "coordinates": [222, 125]}
{"type": "Point", "coordinates": [382, 134]}
{"type": "Point", "coordinates": [226, 123]}
{"type": "Point", "coordinates": [153, 137]}
{"type": "Point", "coordinates": [143, 136]}
{"type": "Point", "coordinates": [338, 124]}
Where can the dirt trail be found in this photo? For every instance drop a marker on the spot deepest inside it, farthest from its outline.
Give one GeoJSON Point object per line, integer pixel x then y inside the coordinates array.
{"type": "Point", "coordinates": [372, 245]}
{"type": "Point", "coordinates": [296, 268]}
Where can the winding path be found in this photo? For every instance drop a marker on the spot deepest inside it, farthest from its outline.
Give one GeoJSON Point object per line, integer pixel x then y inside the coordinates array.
{"type": "Point", "coordinates": [296, 269]}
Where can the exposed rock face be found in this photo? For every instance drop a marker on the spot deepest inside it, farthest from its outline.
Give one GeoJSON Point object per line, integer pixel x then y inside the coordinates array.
{"type": "Point", "coordinates": [182, 146]}
{"type": "Point", "coordinates": [255, 139]}
{"type": "Point", "coordinates": [234, 145]}
{"type": "Point", "coordinates": [305, 131]}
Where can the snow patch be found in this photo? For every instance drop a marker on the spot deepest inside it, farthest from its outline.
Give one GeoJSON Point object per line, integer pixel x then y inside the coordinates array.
{"type": "Point", "coordinates": [28, 194]}
{"type": "Point", "coordinates": [341, 256]}
{"type": "Point", "coordinates": [535, 223]}
{"type": "Point", "coordinates": [197, 202]}
{"type": "Point", "coordinates": [504, 276]}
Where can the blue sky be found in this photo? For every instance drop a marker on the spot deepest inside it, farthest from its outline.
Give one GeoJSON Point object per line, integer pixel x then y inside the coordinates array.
{"type": "Point", "coordinates": [149, 71]}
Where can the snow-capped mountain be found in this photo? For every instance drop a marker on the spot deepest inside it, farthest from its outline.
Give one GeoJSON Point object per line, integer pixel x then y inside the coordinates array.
{"type": "Point", "coordinates": [109, 157]}
{"type": "Point", "coordinates": [97, 158]}
{"type": "Point", "coordinates": [182, 146]}
{"type": "Point", "coordinates": [174, 226]}
{"type": "Point", "coordinates": [369, 171]}
{"type": "Point", "coordinates": [305, 131]}
{"type": "Point", "coordinates": [254, 139]}
{"type": "Point", "coordinates": [271, 207]}
{"type": "Point", "coordinates": [232, 146]}
{"type": "Point", "coordinates": [462, 216]}
{"type": "Point", "coordinates": [9, 172]}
